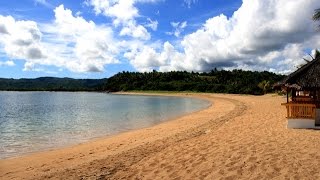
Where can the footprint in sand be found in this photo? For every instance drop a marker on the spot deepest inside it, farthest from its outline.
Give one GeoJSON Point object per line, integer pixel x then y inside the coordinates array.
{"type": "Point", "coordinates": [30, 168]}
{"type": "Point", "coordinates": [46, 170]}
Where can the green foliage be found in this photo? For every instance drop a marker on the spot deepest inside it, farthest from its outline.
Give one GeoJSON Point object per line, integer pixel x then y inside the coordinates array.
{"type": "Point", "coordinates": [265, 86]}
{"type": "Point", "coordinates": [51, 84]}
{"type": "Point", "coordinates": [236, 81]}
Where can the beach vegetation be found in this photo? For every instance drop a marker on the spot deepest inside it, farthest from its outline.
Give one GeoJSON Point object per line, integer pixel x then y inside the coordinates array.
{"type": "Point", "coordinates": [265, 86]}
{"type": "Point", "coordinates": [218, 81]}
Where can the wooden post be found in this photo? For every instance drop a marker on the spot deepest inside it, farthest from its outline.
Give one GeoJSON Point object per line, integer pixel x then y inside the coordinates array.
{"type": "Point", "coordinates": [287, 95]}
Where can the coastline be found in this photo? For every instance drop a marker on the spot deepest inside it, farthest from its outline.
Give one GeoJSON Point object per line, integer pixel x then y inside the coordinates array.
{"type": "Point", "coordinates": [97, 136]}
{"type": "Point", "coordinates": [239, 137]}
{"type": "Point", "coordinates": [19, 163]}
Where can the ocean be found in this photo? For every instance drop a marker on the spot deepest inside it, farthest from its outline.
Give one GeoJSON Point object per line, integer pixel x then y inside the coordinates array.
{"type": "Point", "coordinates": [38, 121]}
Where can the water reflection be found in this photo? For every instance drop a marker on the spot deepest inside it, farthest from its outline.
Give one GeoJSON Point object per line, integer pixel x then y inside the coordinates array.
{"type": "Point", "coordinates": [33, 121]}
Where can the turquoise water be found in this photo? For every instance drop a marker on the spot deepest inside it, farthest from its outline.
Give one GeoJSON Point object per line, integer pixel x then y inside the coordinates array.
{"type": "Point", "coordinates": [35, 121]}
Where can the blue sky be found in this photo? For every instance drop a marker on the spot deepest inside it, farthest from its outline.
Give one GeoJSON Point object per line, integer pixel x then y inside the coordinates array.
{"type": "Point", "coordinates": [98, 38]}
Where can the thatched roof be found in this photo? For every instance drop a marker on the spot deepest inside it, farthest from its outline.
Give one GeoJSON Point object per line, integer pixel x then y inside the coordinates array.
{"type": "Point", "coordinates": [306, 77]}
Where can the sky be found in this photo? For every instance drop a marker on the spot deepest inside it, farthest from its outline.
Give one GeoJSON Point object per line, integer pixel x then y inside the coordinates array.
{"type": "Point", "coordinates": [98, 38]}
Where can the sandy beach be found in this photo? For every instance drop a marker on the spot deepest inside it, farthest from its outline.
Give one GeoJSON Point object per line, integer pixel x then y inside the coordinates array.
{"type": "Point", "coordinates": [238, 137]}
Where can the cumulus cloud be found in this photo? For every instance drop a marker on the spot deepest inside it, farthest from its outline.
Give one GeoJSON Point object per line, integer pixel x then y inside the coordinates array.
{"type": "Point", "coordinates": [147, 59]}
{"type": "Point", "coordinates": [123, 13]}
{"type": "Point", "coordinates": [120, 10]}
{"type": "Point", "coordinates": [21, 39]}
{"type": "Point", "coordinates": [3, 29]}
{"type": "Point", "coordinates": [178, 28]}
{"type": "Point", "coordinates": [69, 42]}
{"type": "Point", "coordinates": [260, 35]}
{"type": "Point", "coordinates": [134, 30]}
{"type": "Point", "coordinates": [83, 46]}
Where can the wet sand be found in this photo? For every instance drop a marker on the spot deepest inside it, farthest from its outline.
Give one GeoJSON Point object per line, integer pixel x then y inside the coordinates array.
{"type": "Point", "coordinates": [239, 137]}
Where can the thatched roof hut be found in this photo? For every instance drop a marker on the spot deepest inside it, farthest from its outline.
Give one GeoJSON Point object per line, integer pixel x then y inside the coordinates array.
{"type": "Point", "coordinates": [303, 111]}
{"type": "Point", "coordinates": [307, 77]}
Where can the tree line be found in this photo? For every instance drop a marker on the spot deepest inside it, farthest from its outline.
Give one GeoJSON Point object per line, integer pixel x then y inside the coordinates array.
{"type": "Point", "coordinates": [218, 81]}
{"type": "Point", "coordinates": [51, 84]}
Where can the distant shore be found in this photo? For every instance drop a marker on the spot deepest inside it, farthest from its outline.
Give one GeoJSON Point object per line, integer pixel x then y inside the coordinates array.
{"type": "Point", "coordinates": [239, 137]}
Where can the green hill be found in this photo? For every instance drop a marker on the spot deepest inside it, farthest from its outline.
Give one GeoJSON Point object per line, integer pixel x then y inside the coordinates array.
{"type": "Point", "coordinates": [236, 81]}
{"type": "Point", "coordinates": [51, 84]}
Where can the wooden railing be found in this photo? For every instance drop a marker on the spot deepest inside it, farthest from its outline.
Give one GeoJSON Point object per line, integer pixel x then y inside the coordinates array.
{"type": "Point", "coordinates": [302, 99]}
{"type": "Point", "coordinates": [301, 111]}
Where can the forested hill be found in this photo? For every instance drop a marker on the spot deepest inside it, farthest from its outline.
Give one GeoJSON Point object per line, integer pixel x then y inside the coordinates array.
{"type": "Point", "coordinates": [236, 81]}
{"type": "Point", "coordinates": [51, 84]}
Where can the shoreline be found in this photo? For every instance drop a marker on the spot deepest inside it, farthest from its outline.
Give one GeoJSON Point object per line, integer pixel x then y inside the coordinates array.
{"type": "Point", "coordinates": [41, 155]}
{"type": "Point", "coordinates": [101, 137]}
{"type": "Point", "coordinates": [239, 137]}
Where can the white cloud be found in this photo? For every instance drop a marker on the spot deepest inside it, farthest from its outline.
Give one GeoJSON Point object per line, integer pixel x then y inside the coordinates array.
{"type": "Point", "coordinates": [88, 47]}
{"type": "Point", "coordinates": [146, 58]}
{"type": "Point", "coordinates": [120, 10]}
{"type": "Point", "coordinates": [44, 3]}
{"type": "Point", "coordinates": [123, 13]}
{"type": "Point", "coordinates": [78, 13]}
{"type": "Point", "coordinates": [188, 3]}
{"type": "Point", "coordinates": [136, 31]}
{"type": "Point", "coordinates": [70, 42]}
{"type": "Point", "coordinates": [152, 24]}
{"type": "Point", "coordinates": [21, 39]}
{"type": "Point", "coordinates": [7, 63]}
{"type": "Point", "coordinates": [261, 35]}
{"type": "Point", "coordinates": [178, 28]}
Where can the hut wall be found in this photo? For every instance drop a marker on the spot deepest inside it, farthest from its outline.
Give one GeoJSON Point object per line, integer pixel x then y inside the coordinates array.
{"type": "Point", "coordinates": [317, 122]}
{"type": "Point", "coordinates": [301, 124]}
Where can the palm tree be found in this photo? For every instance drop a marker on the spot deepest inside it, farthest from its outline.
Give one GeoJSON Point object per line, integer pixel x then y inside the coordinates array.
{"type": "Point", "coordinates": [264, 86]}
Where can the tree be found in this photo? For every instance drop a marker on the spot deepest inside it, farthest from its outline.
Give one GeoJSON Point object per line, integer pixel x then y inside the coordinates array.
{"type": "Point", "coordinates": [265, 86]}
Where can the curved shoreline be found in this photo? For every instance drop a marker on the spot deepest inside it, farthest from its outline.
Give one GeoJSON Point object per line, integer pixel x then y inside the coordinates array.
{"type": "Point", "coordinates": [36, 164]}
{"type": "Point", "coordinates": [240, 137]}
{"type": "Point", "coordinates": [111, 134]}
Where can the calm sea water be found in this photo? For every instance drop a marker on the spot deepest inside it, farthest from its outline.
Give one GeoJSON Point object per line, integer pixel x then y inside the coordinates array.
{"type": "Point", "coordinates": [35, 121]}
